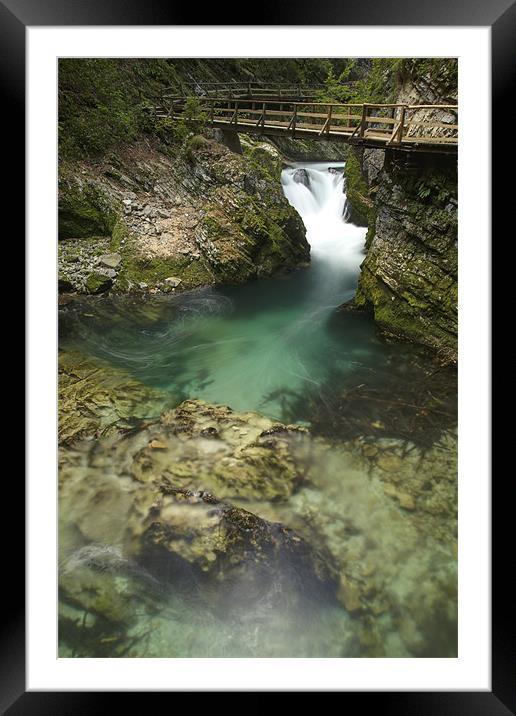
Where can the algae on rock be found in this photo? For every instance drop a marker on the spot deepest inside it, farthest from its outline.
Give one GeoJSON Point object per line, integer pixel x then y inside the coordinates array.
{"type": "Point", "coordinates": [97, 399]}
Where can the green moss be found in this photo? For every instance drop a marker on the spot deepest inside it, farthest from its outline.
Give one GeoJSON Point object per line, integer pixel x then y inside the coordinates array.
{"type": "Point", "coordinates": [98, 283]}
{"type": "Point", "coordinates": [275, 234]}
{"type": "Point", "coordinates": [263, 161]}
{"type": "Point", "coordinates": [196, 274]}
{"type": "Point", "coordinates": [370, 230]}
{"type": "Point", "coordinates": [120, 233]}
{"type": "Point", "coordinates": [253, 222]}
{"type": "Point", "coordinates": [84, 211]}
{"type": "Point", "coordinates": [213, 227]}
{"type": "Point", "coordinates": [192, 145]}
{"type": "Point", "coordinates": [408, 313]}
{"type": "Point", "coordinates": [357, 192]}
{"type": "Point", "coordinates": [379, 80]}
{"type": "Point", "coordinates": [152, 271]}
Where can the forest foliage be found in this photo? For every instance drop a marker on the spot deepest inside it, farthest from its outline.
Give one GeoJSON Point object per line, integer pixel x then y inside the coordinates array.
{"type": "Point", "coordinates": [378, 80]}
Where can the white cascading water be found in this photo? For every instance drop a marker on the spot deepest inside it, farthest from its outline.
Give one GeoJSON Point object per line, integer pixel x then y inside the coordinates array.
{"type": "Point", "coordinates": [317, 192]}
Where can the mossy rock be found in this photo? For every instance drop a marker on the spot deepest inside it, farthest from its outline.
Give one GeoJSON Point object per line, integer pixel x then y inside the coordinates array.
{"type": "Point", "coordinates": [229, 548]}
{"type": "Point", "coordinates": [256, 458]}
{"type": "Point", "coordinates": [64, 284]}
{"type": "Point", "coordinates": [153, 271]}
{"type": "Point", "coordinates": [359, 202]}
{"type": "Point", "coordinates": [98, 283]}
{"type": "Point", "coordinates": [84, 211]}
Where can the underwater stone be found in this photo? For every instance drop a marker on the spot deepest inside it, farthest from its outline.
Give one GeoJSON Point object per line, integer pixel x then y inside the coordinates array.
{"type": "Point", "coordinates": [349, 595]}
{"type": "Point", "coordinates": [227, 543]}
{"type": "Point", "coordinates": [256, 453]}
{"type": "Point", "coordinates": [96, 398]}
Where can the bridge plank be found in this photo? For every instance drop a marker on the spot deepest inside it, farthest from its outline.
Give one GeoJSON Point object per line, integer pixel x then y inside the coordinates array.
{"type": "Point", "coordinates": [381, 120]}
{"type": "Point", "coordinates": [441, 125]}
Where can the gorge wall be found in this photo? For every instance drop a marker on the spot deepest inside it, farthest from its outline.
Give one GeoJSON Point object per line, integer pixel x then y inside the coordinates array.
{"type": "Point", "coordinates": [409, 203]}
{"type": "Point", "coordinates": [152, 218]}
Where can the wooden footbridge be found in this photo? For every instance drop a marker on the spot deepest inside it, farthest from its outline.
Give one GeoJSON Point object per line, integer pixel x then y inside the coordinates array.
{"type": "Point", "coordinates": [420, 128]}
{"type": "Point", "coordinates": [250, 90]}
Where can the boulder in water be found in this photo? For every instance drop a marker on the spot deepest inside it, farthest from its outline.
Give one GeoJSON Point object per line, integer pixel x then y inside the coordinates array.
{"type": "Point", "coordinates": [241, 558]}
{"type": "Point", "coordinates": [183, 537]}
{"type": "Point", "coordinates": [301, 177]}
{"type": "Point", "coordinates": [211, 447]}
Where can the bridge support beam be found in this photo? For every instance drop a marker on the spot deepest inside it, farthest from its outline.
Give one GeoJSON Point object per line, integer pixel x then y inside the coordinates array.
{"type": "Point", "coordinates": [229, 138]}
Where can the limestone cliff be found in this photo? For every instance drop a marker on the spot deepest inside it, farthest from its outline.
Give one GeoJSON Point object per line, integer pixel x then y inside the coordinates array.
{"type": "Point", "coordinates": [409, 276]}
{"type": "Point", "coordinates": [409, 202]}
{"type": "Point", "coordinates": [152, 217]}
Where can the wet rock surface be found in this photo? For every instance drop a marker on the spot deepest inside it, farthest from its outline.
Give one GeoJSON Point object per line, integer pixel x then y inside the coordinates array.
{"type": "Point", "coordinates": [131, 542]}
{"type": "Point", "coordinates": [385, 515]}
{"type": "Point", "coordinates": [229, 544]}
{"type": "Point", "coordinates": [301, 177]}
{"type": "Point", "coordinates": [96, 399]}
{"type": "Point", "coordinates": [409, 276]}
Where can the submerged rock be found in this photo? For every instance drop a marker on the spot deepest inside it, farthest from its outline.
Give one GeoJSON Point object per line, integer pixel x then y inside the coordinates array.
{"type": "Point", "coordinates": [197, 446]}
{"type": "Point", "coordinates": [227, 543]}
{"type": "Point", "coordinates": [183, 539]}
{"type": "Point", "coordinates": [97, 399]}
{"type": "Point", "coordinates": [380, 541]}
{"type": "Point", "coordinates": [211, 447]}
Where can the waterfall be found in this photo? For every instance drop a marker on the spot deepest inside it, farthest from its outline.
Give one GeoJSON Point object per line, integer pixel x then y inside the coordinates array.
{"type": "Point", "coordinates": [317, 192]}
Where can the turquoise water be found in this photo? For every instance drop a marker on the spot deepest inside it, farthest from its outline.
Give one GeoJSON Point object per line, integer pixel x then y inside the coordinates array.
{"type": "Point", "coordinates": [280, 346]}
{"type": "Point", "coordinates": [248, 346]}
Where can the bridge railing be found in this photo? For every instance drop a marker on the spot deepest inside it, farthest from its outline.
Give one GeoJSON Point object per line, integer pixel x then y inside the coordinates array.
{"type": "Point", "coordinates": [238, 90]}
{"type": "Point", "coordinates": [398, 123]}
{"type": "Point", "coordinates": [383, 124]}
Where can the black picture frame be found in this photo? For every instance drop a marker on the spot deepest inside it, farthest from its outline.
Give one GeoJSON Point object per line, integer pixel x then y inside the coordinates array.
{"type": "Point", "coordinates": [15, 16]}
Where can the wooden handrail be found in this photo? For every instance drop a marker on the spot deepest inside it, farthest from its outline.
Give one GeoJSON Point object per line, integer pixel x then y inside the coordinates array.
{"type": "Point", "coordinates": [372, 124]}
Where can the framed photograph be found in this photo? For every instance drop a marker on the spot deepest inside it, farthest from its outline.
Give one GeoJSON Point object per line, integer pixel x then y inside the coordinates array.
{"type": "Point", "coordinates": [258, 309]}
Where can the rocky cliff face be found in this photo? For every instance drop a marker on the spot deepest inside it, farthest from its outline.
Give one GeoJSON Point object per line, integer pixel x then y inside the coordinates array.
{"type": "Point", "coordinates": [409, 276]}
{"type": "Point", "coordinates": [148, 218]}
{"type": "Point", "coordinates": [409, 202]}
